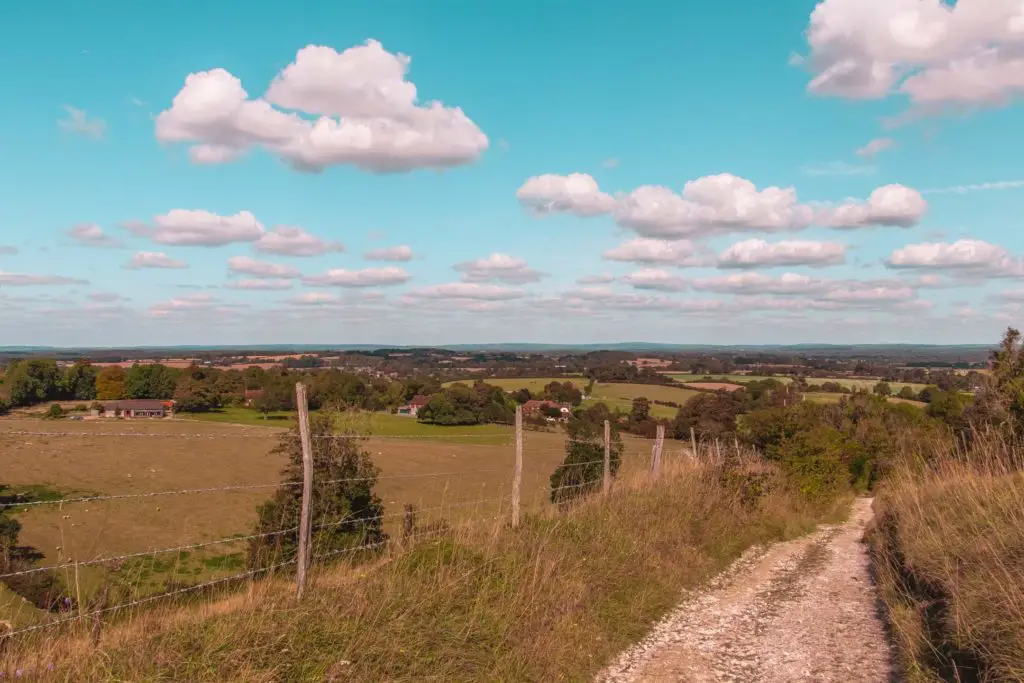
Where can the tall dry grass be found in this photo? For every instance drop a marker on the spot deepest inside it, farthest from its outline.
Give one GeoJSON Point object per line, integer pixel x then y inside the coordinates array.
{"type": "Point", "coordinates": [948, 547]}
{"type": "Point", "coordinates": [553, 600]}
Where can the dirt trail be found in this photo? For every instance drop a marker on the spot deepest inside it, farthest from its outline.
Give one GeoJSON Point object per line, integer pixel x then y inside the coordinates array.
{"type": "Point", "coordinates": [797, 611]}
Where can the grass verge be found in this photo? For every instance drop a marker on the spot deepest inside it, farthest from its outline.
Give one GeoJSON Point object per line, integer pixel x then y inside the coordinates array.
{"type": "Point", "coordinates": [948, 550]}
{"type": "Point", "coordinates": [552, 601]}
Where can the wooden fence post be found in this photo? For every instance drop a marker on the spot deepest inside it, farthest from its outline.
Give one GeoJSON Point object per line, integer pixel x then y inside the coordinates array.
{"type": "Point", "coordinates": [693, 442]}
{"type": "Point", "coordinates": [607, 458]}
{"type": "Point", "coordinates": [97, 622]}
{"type": "Point", "coordinates": [659, 441]}
{"type": "Point", "coordinates": [302, 403]}
{"type": "Point", "coordinates": [517, 480]}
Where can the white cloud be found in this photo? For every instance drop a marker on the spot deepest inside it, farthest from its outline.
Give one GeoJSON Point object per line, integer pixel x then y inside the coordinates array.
{"type": "Point", "coordinates": [966, 257]}
{"type": "Point", "coordinates": [610, 163]}
{"type": "Point", "coordinates": [243, 265]}
{"type": "Point", "coordinates": [754, 253]}
{"type": "Point", "coordinates": [314, 299]}
{"type": "Point", "coordinates": [79, 123]}
{"type": "Point", "coordinates": [466, 290]}
{"type": "Point", "coordinates": [647, 250]}
{"type": "Point", "coordinates": [576, 193]}
{"type": "Point", "coordinates": [291, 241]}
{"type": "Point", "coordinates": [889, 205]}
{"type": "Point", "coordinates": [712, 205]}
{"type": "Point", "coordinates": [935, 52]}
{"type": "Point", "coordinates": [368, 115]}
{"type": "Point", "coordinates": [876, 147]}
{"type": "Point", "coordinates": [153, 259]}
{"type": "Point", "coordinates": [600, 279]}
{"type": "Point", "coordinates": [7, 251]}
{"type": "Point", "coordinates": [755, 283]}
{"type": "Point", "coordinates": [601, 298]}
{"type": "Point", "coordinates": [106, 297]}
{"type": "Point", "coordinates": [498, 268]}
{"type": "Point", "coordinates": [399, 253]}
{"type": "Point", "coordinates": [856, 292]}
{"type": "Point", "coordinates": [92, 235]}
{"type": "Point", "coordinates": [192, 302]}
{"type": "Point", "coordinates": [26, 280]}
{"type": "Point", "coordinates": [260, 284]}
{"type": "Point", "coordinates": [977, 187]}
{"type": "Point", "coordinates": [367, 277]}
{"type": "Point", "coordinates": [199, 228]}
{"type": "Point", "coordinates": [655, 279]}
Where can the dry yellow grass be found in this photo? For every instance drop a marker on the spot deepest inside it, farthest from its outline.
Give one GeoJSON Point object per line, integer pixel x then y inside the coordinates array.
{"type": "Point", "coordinates": [949, 550]}
{"type": "Point", "coordinates": [553, 600]}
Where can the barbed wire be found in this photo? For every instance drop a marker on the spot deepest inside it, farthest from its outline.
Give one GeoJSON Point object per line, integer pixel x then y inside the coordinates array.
{"type": "Point", "coordinates": [152, 598]}
{"type": "Point", "coordinates": [405, 539]}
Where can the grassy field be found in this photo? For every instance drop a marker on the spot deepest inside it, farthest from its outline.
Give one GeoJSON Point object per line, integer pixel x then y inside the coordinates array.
{"type": "Point", "coordinates": [431, 467]}
{"type": "Point", "coordinates": [621, 396]}
{"type": "Point", "coordinates": [689, 377]}
{"type": "Point", "coordinates": [824, 397]}
{"type": "Point", "coordinates": [868, 384]}
{"type": "Point", "coordinates": [552, 601]}
{"type": "Point", "coordinates": [534, 384]}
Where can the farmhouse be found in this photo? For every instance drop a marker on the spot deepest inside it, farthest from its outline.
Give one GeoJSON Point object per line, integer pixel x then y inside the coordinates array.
{"type": "Point", "coordinates": [132, 408]}
{"type": "Point", "coordinates": [534, 408]}
{"type": "Point", "coordinates": [412, 408]}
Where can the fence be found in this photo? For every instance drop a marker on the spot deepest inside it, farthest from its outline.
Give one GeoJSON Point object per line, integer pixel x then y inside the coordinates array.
{"type": "Point", "coordinates": [90, 602]}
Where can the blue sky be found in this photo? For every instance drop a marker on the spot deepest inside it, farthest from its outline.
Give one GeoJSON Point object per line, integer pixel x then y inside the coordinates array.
{"type": "Point", "coordinates": [563, 134]}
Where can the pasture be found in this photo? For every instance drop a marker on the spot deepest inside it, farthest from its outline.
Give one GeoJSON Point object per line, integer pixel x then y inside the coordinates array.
{"type": "Point", "coordinates": [443, 476]}
{"type": "Point", "coordinates": [824, 397]}
{"type": "Point", "coordinates": [690, 377]}
{"type": "Point", "coordinates": [621, 396]}
{"type": "Point", "coordinates": [534, 384]}
{"type": "Point", "coordinates": [862, 384]}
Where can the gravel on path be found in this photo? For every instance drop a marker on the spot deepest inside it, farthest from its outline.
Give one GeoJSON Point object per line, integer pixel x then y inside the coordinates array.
{"type": "Point", "coordinates": [803, 610]}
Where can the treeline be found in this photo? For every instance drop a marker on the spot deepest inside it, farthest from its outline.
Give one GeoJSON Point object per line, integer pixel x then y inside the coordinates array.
{"type": "Point", "coordinates": [201, 388]}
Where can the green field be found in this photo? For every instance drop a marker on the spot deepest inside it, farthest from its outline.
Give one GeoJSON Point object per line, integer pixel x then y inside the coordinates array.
{"type": "Point", "coordinates": [867, 384]}
{"type": "Point", "coordinates": [534, 384]}
{"type": "Point", "coordinates": [621, 396]}
{"type": "Point", "coordinates": [376, 424]}
{"type": "Point", "coordinates": [689, 377]}
{"type": "Point", "coordinates": [824, 397]}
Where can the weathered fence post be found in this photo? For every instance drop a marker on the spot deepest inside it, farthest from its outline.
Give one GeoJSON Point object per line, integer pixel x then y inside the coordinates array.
{"type": "Point", "coordinates": [693, 442]}
{"type": "Point", "coordinates": [718, 450]}
{"type": "Point", "coordinates": [517, 479]}
{"type": "Point", "coordinates": [607, 458]}
{"type": "Point", "coordinates": [97, 622]}
{"type": "Point", "coordinates": [659, 441]}
{"type": "Point", "coordinates": [302, 403]}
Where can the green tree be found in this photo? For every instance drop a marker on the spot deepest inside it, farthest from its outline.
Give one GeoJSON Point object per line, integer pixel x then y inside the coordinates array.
{"type": "Point", "coordinates": [346, 512]}
{"type": "Point", "coordinates": [196, 395]}
{"type": "Point", "coordinates": [907, 393]}
{"type": "Point", "coordinates": [883, 389]}
{"type": "Point", "coordinates": [32, 381]}
{"type": "Point", "coordinates": [79, 382]}
{"type": "Point", "coordinates": [582, 471]}
{"type": "Point", "coordinates": [641, 410]}
{"type": "Point", "coordinates": [110, 383]}
{"type": "Point", "coordinates": [152, 380]}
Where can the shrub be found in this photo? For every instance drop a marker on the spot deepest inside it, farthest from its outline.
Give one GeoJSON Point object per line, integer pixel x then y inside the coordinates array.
{"type": "Point", "coordinates": [54, 412]}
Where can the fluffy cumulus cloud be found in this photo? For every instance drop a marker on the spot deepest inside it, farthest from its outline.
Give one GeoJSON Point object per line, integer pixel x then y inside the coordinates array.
{"type": "Point", "coordinates": [27, 280]}
{"type": "Point", "coordinates": [498, 268]}
{"type": "Point", "coordinates": [258, 284]}
{"type": "Point", "coordinates": [367, 277]}
{"type": "Point", "coordinates": [712, 205]}
{"type": "Point", "coordinates": [287, 240]}
{"type": "Point", "coordinates": [891, 205]}
{"type": "Point", "coordinates": [243, 265]}
{"type": "Point", "coordinates": [576, 193]}
{"type": "Point", "coordinates": [755, 283]}
{"type": "Point", "coordinates": [966, 258]}
{"type": "Point", "coordinates": [655, 251]}
{"type": "Point", "coordinates": [756, 253]}
{"type": "Point", "coordinates": [593, 299]}
{"type": "Point", "coordinates": [936, 53]}
{"type": "Point", "coordinates": [466, 290]}
{"type": "Point", "coordinates": [361, 109]}
{"type": "Point", "coordinates": [314, 299]}
{"type": "Point", "coordinates": [399, 253]}
{"type": "Point", "coordinates": [654, 279]}
{"type": "Point", "coordinates": [199, 228]}
{"type": "Point", "coordinates": [92, 235]}
{"type": "Point", "coordinates": [153, 259]}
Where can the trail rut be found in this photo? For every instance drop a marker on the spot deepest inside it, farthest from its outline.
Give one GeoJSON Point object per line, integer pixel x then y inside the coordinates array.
{"type": "Point", "coordinates": [804, 610]}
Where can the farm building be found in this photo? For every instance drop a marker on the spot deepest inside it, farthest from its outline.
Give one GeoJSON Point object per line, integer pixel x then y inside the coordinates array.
{"type": "Point", "coordinates": [131, 408]}
{"type": "Point", "coordinates": [412, 408]}
{"type": "Point", "coordinates": [252, 396]}
{"type": "Point", "coordinates": [534, 408]}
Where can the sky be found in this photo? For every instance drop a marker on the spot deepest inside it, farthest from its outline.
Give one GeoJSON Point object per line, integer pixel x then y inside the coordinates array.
{"type": "Point", "coordinates": [843, 171]}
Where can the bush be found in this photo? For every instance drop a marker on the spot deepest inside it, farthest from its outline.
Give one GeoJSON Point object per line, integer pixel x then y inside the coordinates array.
{"type": "Point", "coordinates": [582, 471]}
{"type": "Point", "coordinates": [54, 412]}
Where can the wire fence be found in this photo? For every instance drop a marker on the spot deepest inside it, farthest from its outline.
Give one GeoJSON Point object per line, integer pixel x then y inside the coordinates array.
{"type": "Point", "coordinates": [313, 538]}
